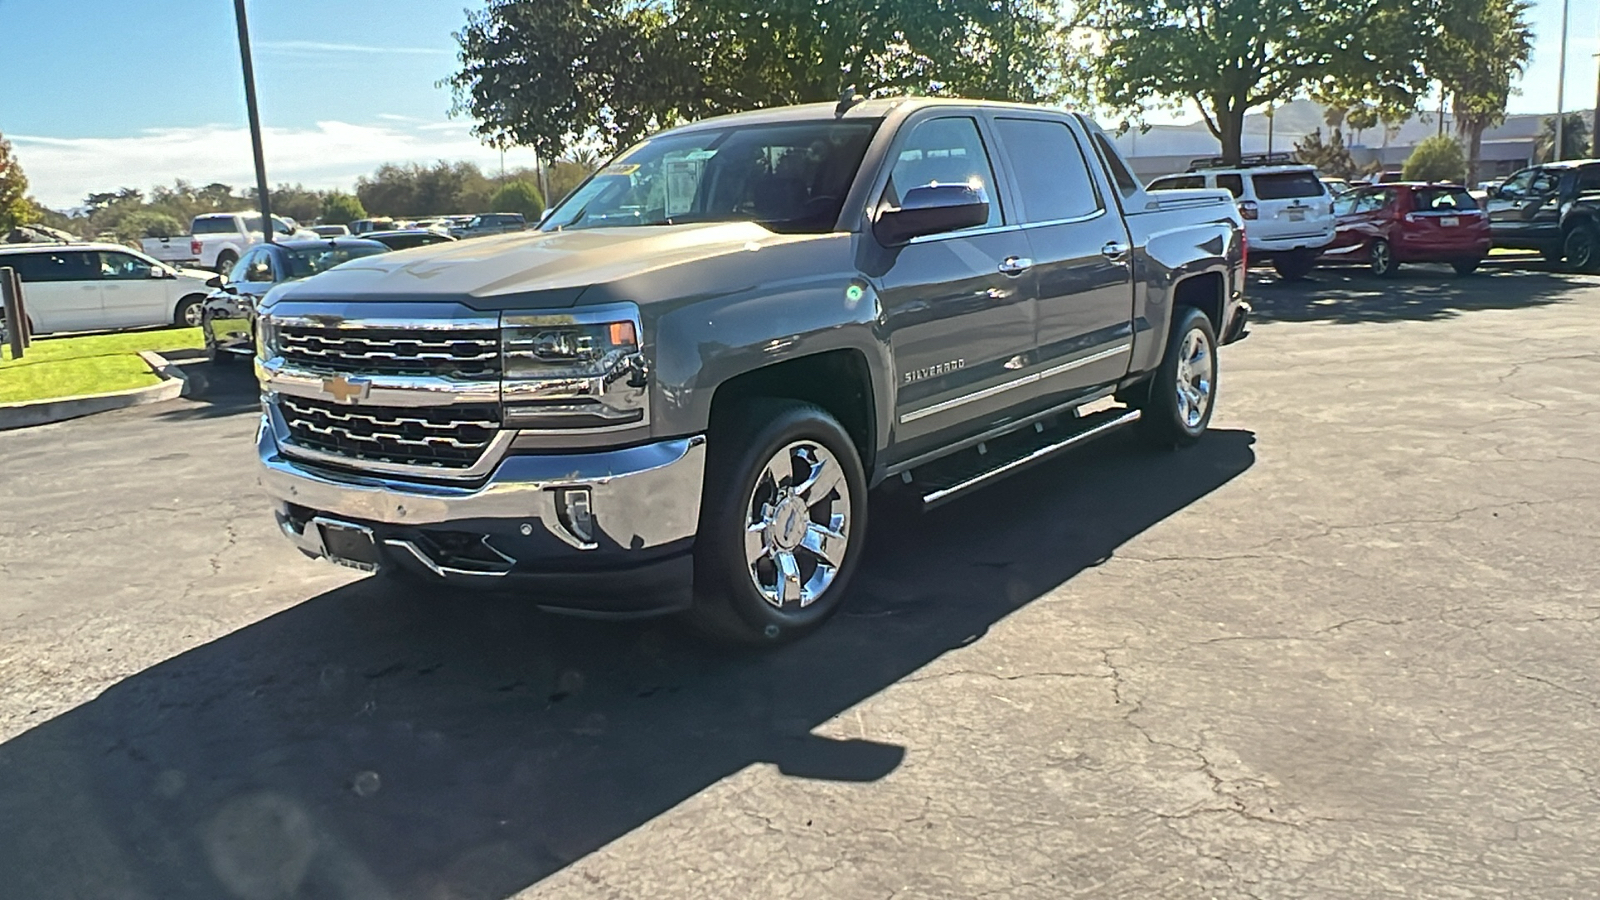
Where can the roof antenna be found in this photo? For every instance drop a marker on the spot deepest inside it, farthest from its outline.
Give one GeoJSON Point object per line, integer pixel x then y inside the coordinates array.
{"type": "Point", "coordinates": [847, 98]}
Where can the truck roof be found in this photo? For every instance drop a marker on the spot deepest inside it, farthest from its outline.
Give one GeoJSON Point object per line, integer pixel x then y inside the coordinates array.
{"type": "Point", "coordinates": [875, 108]}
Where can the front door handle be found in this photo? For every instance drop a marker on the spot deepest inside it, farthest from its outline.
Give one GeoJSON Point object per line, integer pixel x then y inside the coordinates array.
{"type": "Point", "coordinates": [1015, 265]}
{"type": "Point", "coordinates": [1115, 251]}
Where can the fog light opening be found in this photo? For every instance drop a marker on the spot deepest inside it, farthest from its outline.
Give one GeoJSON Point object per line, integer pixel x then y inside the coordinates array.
{"type": "Point", "coordinates": [576, 514]}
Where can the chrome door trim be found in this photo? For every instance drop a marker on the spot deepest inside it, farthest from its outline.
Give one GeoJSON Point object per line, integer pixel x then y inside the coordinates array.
{"type": "Point", "coordinates": [966, 233]}
{"type": "Point", "coordinates": [1032, 378]}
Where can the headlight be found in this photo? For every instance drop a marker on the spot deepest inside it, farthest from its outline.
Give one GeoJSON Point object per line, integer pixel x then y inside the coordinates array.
{"type": "Point", "coordinates": [573, 370]}
{"type": "Point", "coordinates": [266, 337]}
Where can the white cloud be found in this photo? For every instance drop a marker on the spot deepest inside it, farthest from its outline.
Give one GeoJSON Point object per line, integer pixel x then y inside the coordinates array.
{"type": "Point", "coordinates": [312, 47]}
{"type": "Point", "coordinates": [62, 171]}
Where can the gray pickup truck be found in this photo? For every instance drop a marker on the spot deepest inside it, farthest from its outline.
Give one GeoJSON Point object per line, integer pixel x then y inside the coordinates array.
{"type": "Point", "coordinates": [676, 394]}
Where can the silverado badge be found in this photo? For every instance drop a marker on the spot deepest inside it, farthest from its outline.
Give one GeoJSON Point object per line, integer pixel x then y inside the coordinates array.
{"type": "Point", "coordinates": [943, 368]}
{"type": "Point", "coordinates": [344, 389]}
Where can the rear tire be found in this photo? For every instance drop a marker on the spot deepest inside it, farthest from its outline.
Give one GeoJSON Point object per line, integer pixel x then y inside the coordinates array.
{"type": "Point", "coordinates": [782, 520]}
{"type": "Point", "coordinates": [1383, 261]}
{"type": "Point", "coordinates": [225, 262]}
{"type": "Point", "coordinates": [1176, 408]}
{"type": "Point", "coordinates": [1294, 265]}
{"type": "Point", "coordinates": [1582, 248]}
{"type": "Point", "coordinates": [1466, 266]}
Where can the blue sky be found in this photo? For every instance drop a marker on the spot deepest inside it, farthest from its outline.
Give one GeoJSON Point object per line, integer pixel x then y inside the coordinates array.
{"type": "Point", "coordinates": [138, 92]}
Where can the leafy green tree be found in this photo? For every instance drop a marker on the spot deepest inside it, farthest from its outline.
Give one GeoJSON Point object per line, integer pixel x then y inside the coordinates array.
{"type": "Point", "coordinates": [1331, 157]}
{"type": "Point", "coordinates": [548, 73]}
{"type": "Point", "coordinates": [1483, 46]}
{"type": "Point", "coordinates": [148, 223]}
{"type": "Point", "coordinates": [1438, 158]}
{"type": "Point", "coordinates": [416, 190]}
{"type": "Point", "coordinates": [1229, 56]}
{"type": "Point", "coordinates": [519, 197]}
{"type": "Point", "coordinates": [339, 208]}
{"type": "Point", "coordinates": [1574, 138]}
{"type": "Point", "coordinates": [15, 207]}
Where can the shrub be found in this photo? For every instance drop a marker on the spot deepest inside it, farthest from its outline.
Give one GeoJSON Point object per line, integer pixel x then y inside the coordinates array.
{"type": "Point", "coordinates": [519, 197]}
{"type": "Point", "coordinates": [1438, 158]}
{"type": "Point", "coordinates": [339, 208]}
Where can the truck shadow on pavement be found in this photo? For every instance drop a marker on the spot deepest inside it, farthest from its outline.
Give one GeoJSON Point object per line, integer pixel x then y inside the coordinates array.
{"type": "Point", "coordinates": [1351, 295]}
{"type": "Point", "coordinates": [380, 741]}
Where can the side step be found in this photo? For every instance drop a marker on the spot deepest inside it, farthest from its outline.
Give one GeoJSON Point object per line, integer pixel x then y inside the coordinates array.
{"type": "Point", "coordinates": [949, 478]}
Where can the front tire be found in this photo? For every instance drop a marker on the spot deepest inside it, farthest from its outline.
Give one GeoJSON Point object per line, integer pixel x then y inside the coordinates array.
{"type": "Point", "coordinates": [1176, 409]}
{"type": "Point", "coordinates": [190, 312]}
{"type": "Point", "coordinates": [1383, 262]}
{"type": "Point", "coordinates": [782, 520]}
{"type": "Point", "coordinates": [1582, 247]}
{"type": "Point", "coordinates": [1294, 265]}
{"type": "Point", "coordinates": [1466, 266]}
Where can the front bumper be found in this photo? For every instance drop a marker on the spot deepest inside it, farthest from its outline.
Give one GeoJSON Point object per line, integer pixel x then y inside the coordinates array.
{"type": "Point", "coordinates": [513, 531]}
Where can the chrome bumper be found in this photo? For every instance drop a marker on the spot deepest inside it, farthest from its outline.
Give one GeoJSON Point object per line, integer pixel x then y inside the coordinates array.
{"type": "Point", "coordinates": [640, 498]}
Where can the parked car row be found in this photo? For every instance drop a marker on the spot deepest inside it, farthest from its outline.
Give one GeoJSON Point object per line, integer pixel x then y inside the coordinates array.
{"type": "Point", "coordinates": [229, 314]}
{"type": "Point", "coordinates": [94, 287]}
{"type": "Point", "coordinates": [1293, 219]}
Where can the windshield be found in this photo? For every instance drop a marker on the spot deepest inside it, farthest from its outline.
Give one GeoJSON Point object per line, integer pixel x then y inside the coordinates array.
{"type": "Point", "coordinates": [305, 263]}
{"type": "Point", "coordinates": [789, 177]}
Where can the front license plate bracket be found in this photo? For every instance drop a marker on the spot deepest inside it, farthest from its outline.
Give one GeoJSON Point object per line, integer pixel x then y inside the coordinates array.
{"type": "Point", "coordinates": [348, 544]}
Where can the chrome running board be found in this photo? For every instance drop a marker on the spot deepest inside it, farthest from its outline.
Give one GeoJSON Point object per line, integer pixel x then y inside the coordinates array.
{"type": "Point", "coordinates": [1096, 426]}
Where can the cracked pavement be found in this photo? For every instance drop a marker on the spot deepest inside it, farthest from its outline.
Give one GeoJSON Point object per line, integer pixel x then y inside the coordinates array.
{"type": "Point", "coordinates": [1346, 647]}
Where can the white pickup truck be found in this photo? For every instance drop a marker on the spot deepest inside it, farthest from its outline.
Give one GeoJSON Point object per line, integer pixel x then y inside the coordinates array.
{"type": "Point", "coordinates": [216, 240]}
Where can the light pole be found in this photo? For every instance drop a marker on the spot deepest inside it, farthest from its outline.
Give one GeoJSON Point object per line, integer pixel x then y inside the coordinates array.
{"type": "Point", "coordinates": [1561, 83]}
{"type": "Point", "coordinates": [255, 120]}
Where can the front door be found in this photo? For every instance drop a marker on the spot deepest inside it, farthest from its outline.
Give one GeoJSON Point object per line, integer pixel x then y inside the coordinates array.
{"type": "Point", "coordinates": [1524, 213]}
{"type": "Point", "coordinates": [1081, 254]}
{"type": "Point", "coordinates": [131, 293]}
{"type": "Point", "coordinates": [958, 307]}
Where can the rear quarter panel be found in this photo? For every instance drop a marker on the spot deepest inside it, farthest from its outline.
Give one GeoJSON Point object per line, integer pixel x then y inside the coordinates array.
{"type": "Point", "coordinates": [1178, 235]}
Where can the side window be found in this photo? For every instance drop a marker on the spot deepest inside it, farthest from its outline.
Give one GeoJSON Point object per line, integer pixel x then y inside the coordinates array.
{"type": "Point", "coordinates": [1345, 205]}
{"type": "Point", "coordinates": [66, 265]}
{"type": "Point", "coordinates": [1517, 185]}
{"type": "Point", "coordinates": [122, 266]}
{"type": "Point", "coordinates": [259, 268]}
{"type": "Point", "coordinates": [944, 151]}
{"type": "Point", "coordinates": [1372, 202]}
{"type": "Point", "coordinates": [1053, 180]}
{"type": "Point", "coordinates": [1233, 184]}
{"type": "Point", "coordinates": [1126, 183]}
{"type": "Point", "coordinates": [236, 274]}
{"type": "Point", "coordinates": [1178, 182]}
{"type": "Point", "coordinates": [1588, 179]}
{"type": "Point", "coordinates": [1544, 184]}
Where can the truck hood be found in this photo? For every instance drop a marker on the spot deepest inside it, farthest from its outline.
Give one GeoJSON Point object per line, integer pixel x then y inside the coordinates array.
{"type": "Point", "coordinates": [541, 270]}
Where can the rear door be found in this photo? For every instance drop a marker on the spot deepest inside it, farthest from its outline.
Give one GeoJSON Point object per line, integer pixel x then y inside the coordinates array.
{"type": "Point", "coordinates": [60, 289]}
{"type": "Point", "coordinates": [131, 294]}
{"type": "Point", "coordinates": [1081, 255]}
{"type": "Point", "coordinates": [958, 307]}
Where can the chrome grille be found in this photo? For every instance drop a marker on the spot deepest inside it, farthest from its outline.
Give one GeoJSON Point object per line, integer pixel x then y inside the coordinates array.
{"type": "Point", "coordinates": [443, 437]}
{"type": "Point", "coordinates": [459, 353]}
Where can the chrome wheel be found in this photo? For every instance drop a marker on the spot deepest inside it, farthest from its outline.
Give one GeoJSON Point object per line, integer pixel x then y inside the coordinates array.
{"type": "Point", "coordinates": [1196, 372]}
{"type": "Point", "coordinates": [798, 525]}
{"type": "Point", "coordinates": [1382, 258]}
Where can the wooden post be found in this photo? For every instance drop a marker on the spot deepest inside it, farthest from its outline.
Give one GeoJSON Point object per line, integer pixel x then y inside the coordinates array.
{"type": "Point", "coordinates": [16, 319]}
{"type": "Point", "coordinates": [22, 309]}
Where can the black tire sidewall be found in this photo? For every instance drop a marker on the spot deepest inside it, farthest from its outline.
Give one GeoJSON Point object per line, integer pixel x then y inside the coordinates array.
{"type": "Point", "coordinates": [225, 262]}
{"type": "Point", "coordinates": [181, 320]}
{"type": "Point", "coordinates": [1294, 265]}
{"type": "Point", "coordinates": [739, 446]}
{"type": "Point", "coordinates": [1389, 267]}
{"type": "Point", "coordinates": [1588, 262]}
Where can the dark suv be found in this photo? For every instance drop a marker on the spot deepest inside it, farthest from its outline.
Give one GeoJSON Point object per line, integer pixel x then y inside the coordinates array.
{"type": "Point", "coordinates": [1554, 209]}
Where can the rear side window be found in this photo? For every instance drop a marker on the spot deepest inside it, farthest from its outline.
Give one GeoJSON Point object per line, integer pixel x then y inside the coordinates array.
{"type": "Point", "coordinates": [1233, 184]}
{"type": "Point", "coordinates": [1126, 183]}
{"type": "Point", "coordinates": [61, 265]}
{"type": "Point", "coordinates": [1178, 182]}
{"type": "Point", "coordinates": [1053, 180]}
{"type": "Point", "coordinates": [1442, 200]}
{"type": "Point", "coordinates": [1287, 185]}
{"type": "Point", "coordinates": [213, 225]}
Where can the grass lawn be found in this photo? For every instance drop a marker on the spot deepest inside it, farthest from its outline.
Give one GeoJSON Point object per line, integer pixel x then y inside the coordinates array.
{"type": "Point", "coordinates": [68, 367]}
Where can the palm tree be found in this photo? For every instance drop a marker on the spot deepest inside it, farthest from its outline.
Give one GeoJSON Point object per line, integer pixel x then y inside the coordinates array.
{"type": "Point", "coordinates": [1574, 139]}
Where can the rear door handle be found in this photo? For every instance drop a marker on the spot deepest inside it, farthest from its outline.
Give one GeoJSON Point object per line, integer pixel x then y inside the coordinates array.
{"type": "Point", "coordinates": [1115, 251]}
{"type": "Point", "coordinates": [1015, 265]}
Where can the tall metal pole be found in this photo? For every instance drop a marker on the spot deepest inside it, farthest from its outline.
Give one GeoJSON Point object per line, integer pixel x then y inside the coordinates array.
{"type": "Point", "coordinates": [1561, 84]}
{"type": "Point", "coordinates": [1594, 132]}
{"type": "Point", "coordinates": [262, 195]}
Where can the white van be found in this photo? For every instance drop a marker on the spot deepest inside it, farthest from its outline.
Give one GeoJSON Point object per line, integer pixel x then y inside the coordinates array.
{"type": "Point", "coordinates": [1287, 210]}
{"type": "Point", "coordinates": [99, 287]}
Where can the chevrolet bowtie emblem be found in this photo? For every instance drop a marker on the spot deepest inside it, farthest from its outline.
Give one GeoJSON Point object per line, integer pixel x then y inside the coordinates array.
{"type": "Point", "coordinates": [344, 389]}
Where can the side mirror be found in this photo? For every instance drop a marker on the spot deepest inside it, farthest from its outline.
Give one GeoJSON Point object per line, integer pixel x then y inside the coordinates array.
{"type": "Point", "coordinates": [215, 281]}
{"type": "Point", "coordinates": [932, 209]}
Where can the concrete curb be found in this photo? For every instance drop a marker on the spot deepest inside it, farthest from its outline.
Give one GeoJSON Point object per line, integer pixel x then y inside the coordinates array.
{"type": "Point", "coordinates": [42, 412]}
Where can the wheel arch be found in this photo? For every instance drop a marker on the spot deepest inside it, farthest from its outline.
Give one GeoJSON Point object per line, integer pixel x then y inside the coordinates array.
{"type": "Point", "coordinates": [839, 381]}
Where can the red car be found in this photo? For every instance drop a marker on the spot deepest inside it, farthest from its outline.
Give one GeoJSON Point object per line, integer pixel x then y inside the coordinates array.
{"type": "Point", "coordinates": [1390, 224]}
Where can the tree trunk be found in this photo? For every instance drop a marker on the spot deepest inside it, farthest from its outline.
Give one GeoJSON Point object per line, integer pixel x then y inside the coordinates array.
{"type": "Point", "coordinates": [1474, 151]}
{"type": "Point", "coordinates": [1230, 125]}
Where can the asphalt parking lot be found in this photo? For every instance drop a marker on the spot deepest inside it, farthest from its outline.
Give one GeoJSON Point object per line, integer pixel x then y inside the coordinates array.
{"type": "Point", "coordinates": [1346, 647]}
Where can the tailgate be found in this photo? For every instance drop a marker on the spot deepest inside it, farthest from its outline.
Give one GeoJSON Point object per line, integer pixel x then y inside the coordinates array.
{"type": "Point", "coordinates": [173, 249]}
